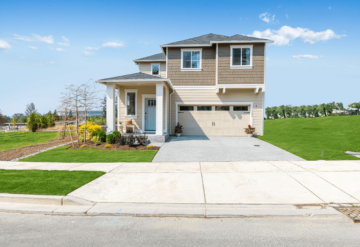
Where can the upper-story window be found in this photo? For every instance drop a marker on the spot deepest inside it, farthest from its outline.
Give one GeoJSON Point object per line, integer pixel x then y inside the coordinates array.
{"type": "Point", "coordinates": [191, 59]}
{"type": "Point", "coordinates": [155, 69]}
{"type": "Point", "coordinates": [241, 56]}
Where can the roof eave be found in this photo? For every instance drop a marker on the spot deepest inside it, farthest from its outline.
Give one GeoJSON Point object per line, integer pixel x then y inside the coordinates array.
{"type": "Point", "coordinates": [104, 82]}
{"type": "Point", "coordinates": [223, 42]}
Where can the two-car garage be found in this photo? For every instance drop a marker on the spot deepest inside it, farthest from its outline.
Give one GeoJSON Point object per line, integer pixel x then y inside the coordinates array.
{"type": "Point", "coordinates": [214, 120]}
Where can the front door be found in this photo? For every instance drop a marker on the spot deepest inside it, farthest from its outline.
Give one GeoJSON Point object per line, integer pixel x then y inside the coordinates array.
{"type": "Point", "coordinates": [150, 114]}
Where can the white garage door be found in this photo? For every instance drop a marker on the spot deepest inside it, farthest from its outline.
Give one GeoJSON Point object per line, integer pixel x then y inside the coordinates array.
{"type": "Point", "coordinates": [214, 120]}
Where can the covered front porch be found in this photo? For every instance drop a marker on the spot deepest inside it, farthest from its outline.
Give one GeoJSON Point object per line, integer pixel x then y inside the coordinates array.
{"type": "Point", "coordinates": [143, 100]}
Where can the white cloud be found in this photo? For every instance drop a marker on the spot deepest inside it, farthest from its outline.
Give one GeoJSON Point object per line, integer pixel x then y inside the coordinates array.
{"type": "Point", "coordinates": [92, 48]}
{"type": "Point", "coordinates": [46, 39]}
{"type": "Point", "coordinates": [50, 62]}
{"type": "Point", "coordinates": [59, 49]}
{"type": "Point", "coordinates": [266, 17]}
{"type": "Point", "coordinates": [306, 56]}
{"type": "Point", "coordinates": [4, 45]}
{"type": "Point", "coordinates": [87, 53]}
{"type": "Point", "coordinates": [32, 47]}
{"type": "Point", "coordinates": [329, 7]}
{"type": "Point", "coordinates": [287, 17]}
{"type": "Point", "coordinates": [285, 34]}
{"type": "Point", "coordinates": [66, 41]}
{"type": "Point", "coordinates": [112, 44]}
{"type": "Point", "coordinates": [267, 59]}
{"type": "Point", "coordinates": [108, 44]}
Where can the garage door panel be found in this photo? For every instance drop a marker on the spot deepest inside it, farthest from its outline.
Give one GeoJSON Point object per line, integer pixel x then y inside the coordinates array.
{"type": "Point", "coordinates": [227, 123]}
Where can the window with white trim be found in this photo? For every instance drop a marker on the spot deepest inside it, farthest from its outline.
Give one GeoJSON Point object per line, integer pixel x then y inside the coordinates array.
{"type": "Point", "coordinates": [155, 69]}
{"type": "Point", "coordinates": [191, 59]}
{"type": "Point", "coordinates": [131, 102]}
{"type": "Point", "coordinates": [241, 57]}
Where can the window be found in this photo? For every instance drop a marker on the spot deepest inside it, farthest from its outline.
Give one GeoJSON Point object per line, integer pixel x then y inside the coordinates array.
{"type": "Point", "coordinates": [241, 108]}
{"type": "Point", "coordinates": [131, 102]}
{"type": "Point", "coordinates": [222, 108]}
{"type": "Point", "coordinates": [204, 108]}
{"type": "Point", "coordinates": [241, 57]}
{"type": "Point", "coordinates": [191, 59]}
{"type": "Point", "coordinates": [152, 102]}
{"type": "Point", "coordinates": [155, 69]}
{"type": "Point", "coordinates": [186, 108]}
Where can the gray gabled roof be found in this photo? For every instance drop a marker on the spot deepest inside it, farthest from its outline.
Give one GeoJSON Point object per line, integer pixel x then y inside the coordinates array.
{"type": "Point", "coordinates": [160, 57]}
{"type": "Point", "coordinates": [210, 38]}
{"type": "Point", "coordinates": [135, 76]}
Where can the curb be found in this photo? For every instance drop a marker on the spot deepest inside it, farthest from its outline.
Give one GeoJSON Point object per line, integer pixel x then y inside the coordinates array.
{"type": "Point", "coordinates": [171, 210]}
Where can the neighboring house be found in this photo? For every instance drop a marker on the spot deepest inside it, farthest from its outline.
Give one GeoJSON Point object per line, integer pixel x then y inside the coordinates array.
{"type": "Point", "coordinates": [214, 85]}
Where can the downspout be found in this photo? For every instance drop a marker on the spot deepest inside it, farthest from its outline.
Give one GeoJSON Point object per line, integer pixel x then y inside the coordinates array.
{"type": "Point", "coordinates": [170, 111]}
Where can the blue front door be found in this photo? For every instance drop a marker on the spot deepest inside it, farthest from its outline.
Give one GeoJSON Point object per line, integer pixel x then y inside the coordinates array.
{"type": "Point", "coordinates": [150, 114]}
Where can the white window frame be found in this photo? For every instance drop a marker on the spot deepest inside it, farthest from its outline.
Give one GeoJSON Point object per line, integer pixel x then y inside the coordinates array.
{"type": "Point", "coordinates": [241, 66]}
{"type": "Point", "coordinates": [152, 69]}
{"type": "Point", "coordinates": [191, 69]}
{"type": "Point", "coordinates": [126, 102]}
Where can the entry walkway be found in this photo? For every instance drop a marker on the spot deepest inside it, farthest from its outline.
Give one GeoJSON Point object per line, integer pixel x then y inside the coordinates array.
{"type": "Point", "coordinates": [259, 182]}
{"type": "Point", "coordinates": [202, 148]}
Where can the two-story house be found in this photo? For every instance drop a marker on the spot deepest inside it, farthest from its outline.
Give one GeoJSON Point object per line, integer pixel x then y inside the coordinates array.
{"type": "Point", "coordinates": [213, 85]}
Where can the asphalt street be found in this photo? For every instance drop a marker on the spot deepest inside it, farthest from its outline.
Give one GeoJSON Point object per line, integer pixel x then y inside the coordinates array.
{"type": "Point", "coordinates": [43, 230]}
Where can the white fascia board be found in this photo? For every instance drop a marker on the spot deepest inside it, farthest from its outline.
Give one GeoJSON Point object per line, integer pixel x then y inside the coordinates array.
{"type": "Point", "coordinates": [139, 61]}
{"type": "Point", "coordinates": [241, 85]}
{"type": "Point", "coordinates": [195, 87]}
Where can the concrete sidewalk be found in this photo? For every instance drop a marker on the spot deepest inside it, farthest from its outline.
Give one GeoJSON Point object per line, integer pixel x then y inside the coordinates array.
{"type": "Point", "coordinates": [261, 182]}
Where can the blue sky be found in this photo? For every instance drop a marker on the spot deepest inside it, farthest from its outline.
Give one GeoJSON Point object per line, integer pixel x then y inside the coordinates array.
{"type": "Point", "coordinates": [314, 59]}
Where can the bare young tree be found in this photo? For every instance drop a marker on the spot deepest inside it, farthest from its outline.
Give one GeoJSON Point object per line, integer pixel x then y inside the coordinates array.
{"type": "Point", "coordinates": [72, 96]}
{"type": "Point", "coordinates": [30, 108]}
{"type": "Point", "coordinates": [2, 119]}
{"type": "Point", "coordinates": [89, 100]}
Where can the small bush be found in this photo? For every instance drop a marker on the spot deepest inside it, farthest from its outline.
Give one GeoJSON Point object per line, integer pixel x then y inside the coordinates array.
{"type": "Point", "coordinates": [149, 146]}
{"type": "Point", "coordinates": [122, 140]}
{"type": "Point", "coordinates": [101, 134]}
{"type": "Point", "coordinates": [95, 140]}
{"type": "Point", "coordinates": [107, 146]}
{"type": "Point", "coordinates": [117, 133]}
{"type": "Point", "coordinates": [81, 138]}
{"type": "Point", "coordinates": [111, 139]}
{"type": "Point", "coordinates": [82, 146]}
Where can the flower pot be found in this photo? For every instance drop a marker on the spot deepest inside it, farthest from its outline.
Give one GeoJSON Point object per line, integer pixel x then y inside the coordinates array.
{"type": "Point", "coordinates": [178, 134]}
{"type": "Point", "coordinates": [250, 135]}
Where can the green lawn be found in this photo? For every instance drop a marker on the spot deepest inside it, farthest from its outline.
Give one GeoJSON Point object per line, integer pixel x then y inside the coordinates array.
{"type": "Point", "coordinates": [61, 154]}
{"type": "Point", "coordinates": [38, 182]}
{"type": "Point", "coordinates": [12, 140]}
{"type": "Point", "coordinates": [308, 137]}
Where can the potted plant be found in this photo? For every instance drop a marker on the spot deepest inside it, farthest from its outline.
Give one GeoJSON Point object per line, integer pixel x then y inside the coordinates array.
{"type": "Point", "coordinates": [249, 131]}
{"type": "Point", "coordinates": [178, 129]}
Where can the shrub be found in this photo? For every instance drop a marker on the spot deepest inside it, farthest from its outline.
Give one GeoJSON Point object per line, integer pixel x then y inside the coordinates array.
{"type": "Point", "coordinates": [90, 128]}
{"type": "Point", "coordinates": [81, 138]}
{"type": "Point", "coordinates": [111, 139]}
{"type": "Point", "coordinates": [122, 140]}
{"type": "Point", "coordinates": [43, 121]}
{"type": "Point", "coordinates": [32, 123]}
{"type": "Point", "coordinates": [82, 146]}
{"type": "Point", "coordinates": [117, 133]}
{"type": "Point", "coordinates": [95, 140]}
{"type": "Point", "coordinates": [149, 146]}
{"type": "Point", "coordinates": [108, 146]}
{"type": "Point", "coordinates": [101, 134]}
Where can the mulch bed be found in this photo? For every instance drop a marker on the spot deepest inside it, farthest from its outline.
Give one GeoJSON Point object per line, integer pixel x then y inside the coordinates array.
{"type": "Point", "coordinates": [90, 144]}
{"type": "Point", "coordinates": [9, 155]}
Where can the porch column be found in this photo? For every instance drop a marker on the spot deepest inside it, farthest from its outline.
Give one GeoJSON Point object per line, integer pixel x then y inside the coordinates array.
{"type": "Point", "coordinates": [110, 107]}
{"type": "Point", "coordinates": [159, 108]}
{"type": "Point", "coordinates": [118, 109]}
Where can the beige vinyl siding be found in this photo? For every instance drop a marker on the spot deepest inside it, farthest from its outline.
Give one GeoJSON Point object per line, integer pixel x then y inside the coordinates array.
{"type": "Point", "coordinates": [231, 95]}
{"type": "Point", "coordinates": [141, 90]}
{"type": "Point", "coordinates": [240, 76]}
{"type": "Point", "coordinates": [206, 77]}
{"type": "Point", "coordinates": [145, 67]}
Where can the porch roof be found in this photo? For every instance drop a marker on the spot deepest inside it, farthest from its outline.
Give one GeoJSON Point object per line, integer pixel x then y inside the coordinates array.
{"type": "Point", "coordinates": [139, 78]}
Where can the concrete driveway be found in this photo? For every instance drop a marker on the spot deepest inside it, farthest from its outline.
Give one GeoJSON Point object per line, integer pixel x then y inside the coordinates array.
{"type": "Point", "coordinates": [218, 149]}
